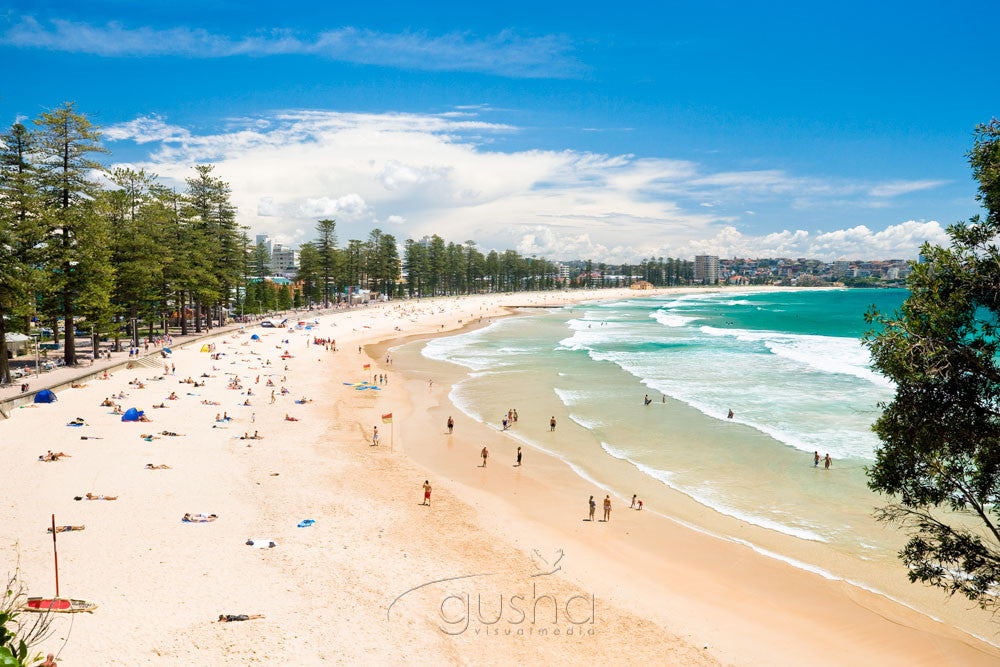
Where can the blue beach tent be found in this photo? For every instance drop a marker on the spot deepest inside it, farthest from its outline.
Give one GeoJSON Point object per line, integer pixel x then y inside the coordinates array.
{"type": "Point", "coordinates": [131, 415]}
{"type": "Point", "coordinates": [255, 337]}
{"type": "Point", "coordinates": [45, 396]}
{"type": "Point", "coordinates": [168, 350]}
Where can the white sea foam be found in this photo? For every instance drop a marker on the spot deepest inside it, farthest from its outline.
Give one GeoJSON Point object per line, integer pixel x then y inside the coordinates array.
{"type": "Point", "coordinates": [704, 498]}
{"type": "Point", "coordinates": [830, 354]}
{"type": "Point", "coordinates": [671, 319]}
{"type": "Point", "coordinates": [569, 396]}
{"type": "Point", "coordinates": [585, 422]}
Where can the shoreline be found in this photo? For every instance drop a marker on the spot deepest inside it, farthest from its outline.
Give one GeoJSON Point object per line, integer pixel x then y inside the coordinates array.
{"type": "Point", "coordinates": [484, 431]}
{"type": "Point", "coordinates": [369, 581]}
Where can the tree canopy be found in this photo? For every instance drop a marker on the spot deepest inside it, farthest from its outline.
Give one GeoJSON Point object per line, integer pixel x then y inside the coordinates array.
{"type": "Point", "coordinates": [940, 452]}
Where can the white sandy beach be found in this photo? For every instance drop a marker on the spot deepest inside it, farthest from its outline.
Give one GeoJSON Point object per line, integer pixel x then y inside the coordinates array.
{"type": "Point", "coordinates": [337, 591]}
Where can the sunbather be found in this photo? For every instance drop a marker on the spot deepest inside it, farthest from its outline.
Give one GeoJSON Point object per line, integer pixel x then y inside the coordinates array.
{"type": "Point", "coordinates": [64, 529]}
{"type": "Point", "coordinates": [162, 466]}
{"type": "Point", "coordinates": [149, 437]}
{"type": "Point", "coordinates": [199, 518]}
{"type": "Point", "coordinates": [161, 405]}
{"type": "Point", "coordinates": [144, 418]}
{"type": "Point", "coordinates": [170, 433]}
{"type": "Point", "coordinates": [50, 456]}
{"type": "Point", "coordinates": [290, 419]}
{"type": "Point", "coordinates": [91, 496]}
{"type": "Point", "coordinates": [230, 618]}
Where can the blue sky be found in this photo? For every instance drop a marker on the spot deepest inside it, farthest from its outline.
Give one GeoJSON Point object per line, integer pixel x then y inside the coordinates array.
{"type": "Point", "coordinates": [558, 128]}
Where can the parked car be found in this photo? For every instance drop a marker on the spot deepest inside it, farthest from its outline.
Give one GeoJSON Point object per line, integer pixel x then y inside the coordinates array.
{"type": "Point", "coordinates": [267, 324]}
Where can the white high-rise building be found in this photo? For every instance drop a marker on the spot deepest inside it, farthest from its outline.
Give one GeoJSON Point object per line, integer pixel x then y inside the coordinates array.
{"type": "Point", "coordinates": [284, 261]}
{"type": "Point", "coordinates": [706, 269]}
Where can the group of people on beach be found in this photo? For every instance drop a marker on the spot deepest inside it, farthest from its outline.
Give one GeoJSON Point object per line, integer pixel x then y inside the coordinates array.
{"type": "Point", "coordinates": [827, 461]}
{"type": "Point", "coordinates": [592, 506]}
{"type": "Point", "coordinates": [509, 419]}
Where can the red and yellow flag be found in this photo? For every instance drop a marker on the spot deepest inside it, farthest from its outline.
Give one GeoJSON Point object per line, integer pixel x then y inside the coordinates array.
{"type": "Point", "coordinates": [387, 418]}
{"type": "Point", "coordinates": [367, 366]}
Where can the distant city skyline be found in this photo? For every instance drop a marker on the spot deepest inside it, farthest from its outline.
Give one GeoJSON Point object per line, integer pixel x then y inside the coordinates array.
{"type": "Point", "coordinates": [670, 130]}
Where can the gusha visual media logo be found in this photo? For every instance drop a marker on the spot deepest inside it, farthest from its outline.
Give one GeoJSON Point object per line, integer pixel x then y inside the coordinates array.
{"type": "Point", "coordinates": [530, 609]}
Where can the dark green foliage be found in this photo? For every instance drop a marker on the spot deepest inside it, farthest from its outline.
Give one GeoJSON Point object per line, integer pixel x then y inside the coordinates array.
{"type": "Point", "coordinates": [940, 453]}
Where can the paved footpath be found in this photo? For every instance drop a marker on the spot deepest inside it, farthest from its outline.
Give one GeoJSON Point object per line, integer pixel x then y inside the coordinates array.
{"type": "Point", "coordinates": [85, 367]}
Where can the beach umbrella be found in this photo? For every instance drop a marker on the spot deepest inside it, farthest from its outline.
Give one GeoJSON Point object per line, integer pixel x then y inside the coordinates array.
{"type": "Point", "coordinates": [45, 396]}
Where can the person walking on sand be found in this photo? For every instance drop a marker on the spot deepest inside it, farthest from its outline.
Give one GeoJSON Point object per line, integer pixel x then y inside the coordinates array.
{"type": "Point", "coordinates": [451, 425]}
{"type": "Point", "coordinates": [552, 423]}
{"type": "Point", "coordinates": [815, 459]}
{"type": "Point", "coordinates": [633, 501]}
{"type": "Point", "coordinates": [593, 508]}
{"type": "Point", "coordinates": [827, 462]}
{"type": "Point", "coordinates": [375, 437]}
{"type": "Point", "coordinates": [485, 454]}
{"type": "Point", "coordinates": [607, 508]}
{"type": "Point", "coordinates": [518, 457]}
{"type": "Point", "coordinates": [427, 493]}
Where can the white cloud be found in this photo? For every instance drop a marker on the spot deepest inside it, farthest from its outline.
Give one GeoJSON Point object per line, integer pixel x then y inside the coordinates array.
{"type": "Point", "coordinates": [896, 188]}
{"type": "Point", "coordinates": [900, 241]}
{"type": "Point", "coordinates": [436, 174]}
{"type": "Point", "coordinates": [146, 129]}
{"type": "Point", "coordinates": [504, 53]}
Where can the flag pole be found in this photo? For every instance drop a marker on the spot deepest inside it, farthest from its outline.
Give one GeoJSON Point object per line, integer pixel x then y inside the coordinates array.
{"type": "Point", "coordinates": [55, 554]}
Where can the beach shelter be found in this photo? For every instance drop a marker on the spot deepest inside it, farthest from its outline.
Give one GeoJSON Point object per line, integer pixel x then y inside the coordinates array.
{"type": "Point", "coordinates": [255, 337]}
{"type": "Point", "coordinates": [168, 350]}
{"type": "Point", "coordinates": [204, 348]}
{"type": "Point", "coordinates": [45, 396]}
{"type": "Point", "coordinates": [131, 415]}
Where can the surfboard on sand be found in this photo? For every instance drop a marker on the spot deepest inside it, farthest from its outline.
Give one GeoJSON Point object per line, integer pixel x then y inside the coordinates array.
{"type": "Point", "coordinates": [61, 605]}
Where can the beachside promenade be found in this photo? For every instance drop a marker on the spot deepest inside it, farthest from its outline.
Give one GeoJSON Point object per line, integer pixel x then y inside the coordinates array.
{"type": "Point", "coordinates": [86, 366]}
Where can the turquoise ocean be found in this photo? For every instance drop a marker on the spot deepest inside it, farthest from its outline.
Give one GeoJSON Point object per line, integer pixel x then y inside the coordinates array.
{"type": "Point", "coordinates": [791, 367]}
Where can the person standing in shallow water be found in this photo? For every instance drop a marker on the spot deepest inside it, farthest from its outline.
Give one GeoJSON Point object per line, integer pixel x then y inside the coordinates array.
{"type": "Point", "coordinates": [815, 459]}
{"type": "Point", "coordinates": [552, 423]}
{"type": "Point", "coordinates": [827, 462]}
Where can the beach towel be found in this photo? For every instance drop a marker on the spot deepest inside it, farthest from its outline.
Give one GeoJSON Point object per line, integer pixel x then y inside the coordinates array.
{"type": "Point", "coordinates": [258, 543]}
{"type": "Point", "coordinates": [305, 523]}
{"type": "Point", "coordinates": [199, 518]}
